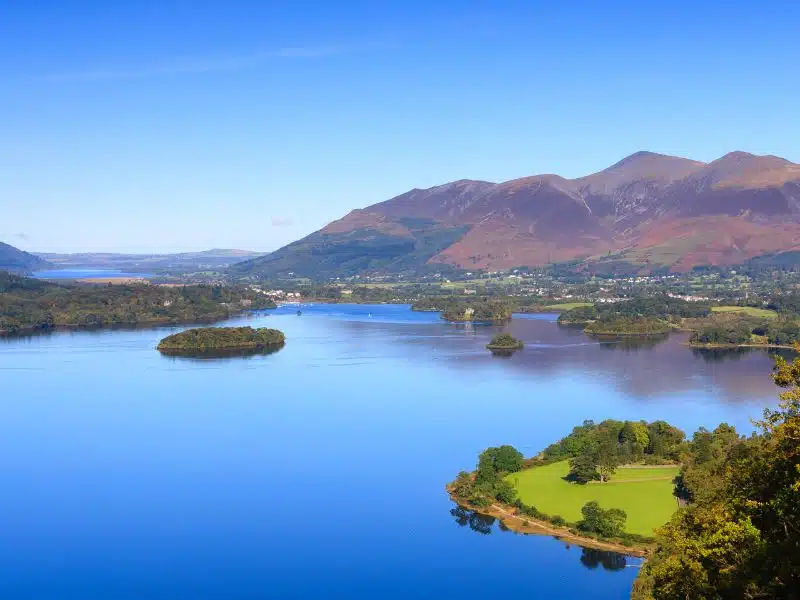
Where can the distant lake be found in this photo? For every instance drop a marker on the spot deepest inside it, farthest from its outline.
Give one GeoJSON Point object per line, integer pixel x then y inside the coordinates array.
{"type": "Point", "coordinates": [318, 471]}
{"type": "Point", "coordinates": [84, 274]}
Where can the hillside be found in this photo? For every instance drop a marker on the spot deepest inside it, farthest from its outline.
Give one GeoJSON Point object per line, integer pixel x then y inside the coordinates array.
{"type": "Point", "coordinates": [648, 211]}
{"type": "Point", "coordinates": [14, 259]}
{"type": "Point", "coordinates": [207, 260]}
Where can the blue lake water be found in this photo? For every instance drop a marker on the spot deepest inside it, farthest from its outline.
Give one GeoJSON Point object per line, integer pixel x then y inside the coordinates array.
{"type": "Point", "coordinates": [317, 471]}
{"type": "Point", "coordinates": [84, 273]}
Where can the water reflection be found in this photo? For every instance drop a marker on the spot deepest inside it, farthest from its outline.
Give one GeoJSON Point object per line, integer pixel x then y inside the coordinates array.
{"type": "Point", "coordinates": [631, 344]}
{"type": "Point", "coordinates": [216, 354]}
{"type": "Point", "coordinates": [716, 355]}
{"type": "Point", "coordinates": [640, 367]}
{"type": "Point", "coordinates": [590, 558]}
{"type": "Point", "coordinates": [475, 521]}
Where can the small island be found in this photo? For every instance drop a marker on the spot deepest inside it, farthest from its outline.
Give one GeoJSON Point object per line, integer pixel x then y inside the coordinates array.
{"type": "Point", "coordinates": [495, 312]}
{"type": "Point", "coordinates": [214, 342]}
{"type": "Point", "coordinates": [621, 326]}
{"type": "Point", "coordinates": [504, 344]}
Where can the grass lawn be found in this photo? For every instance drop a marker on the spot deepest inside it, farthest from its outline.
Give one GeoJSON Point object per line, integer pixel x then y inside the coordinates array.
{"type": "Point", "coordinates": [645, 494]}
{"type": "Point", "coordinates": [751, 311]}
{"type": "Point", "coordinates": [566, 305]}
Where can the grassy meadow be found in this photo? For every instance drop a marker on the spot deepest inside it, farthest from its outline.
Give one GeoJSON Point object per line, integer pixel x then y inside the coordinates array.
{"type": "Point", "coordinates": [645, 494]}
{"type": "Point", "coordinates": [748, 310]}
{"type": "Point", "coordinates": [565, 306]}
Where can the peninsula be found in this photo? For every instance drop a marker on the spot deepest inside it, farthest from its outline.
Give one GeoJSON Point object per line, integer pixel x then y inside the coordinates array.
{"type": "Point", "coordinates": [606, 485]}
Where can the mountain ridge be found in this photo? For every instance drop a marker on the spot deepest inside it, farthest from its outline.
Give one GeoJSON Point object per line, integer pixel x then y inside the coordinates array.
{"type": "Point", "coordinates": [18, 261]}
{"type": "Point", "coordinates": [647, 211]}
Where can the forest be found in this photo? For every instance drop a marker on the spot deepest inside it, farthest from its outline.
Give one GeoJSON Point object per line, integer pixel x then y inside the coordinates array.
{"type": "Point", "coordinates": [29, 305]}
{"type": "Point", "coordinates": [223, 338]}
{"type": "Point", "coordinates": [739, 534]}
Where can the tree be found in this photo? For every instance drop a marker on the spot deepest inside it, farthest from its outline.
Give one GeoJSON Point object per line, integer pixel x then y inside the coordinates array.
{"type": "Point", "coordinates": [740, 536]}
{"type": "Point", "coordinates": [607, 456]}
{"type": "Point", "coordinates": [583, 466]}
{"type": "Point", "coordinates": [506, 459]}
{"type": "Point", "coordinates": [505, 492]}
{"type": "Point", "coordinates": [607, 523]}
{"type": "Point", "coordinates": [635, 437]}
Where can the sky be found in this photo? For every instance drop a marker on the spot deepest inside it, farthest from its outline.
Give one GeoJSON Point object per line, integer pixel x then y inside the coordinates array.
{"type": "Point", "coordinates": [187, 125]}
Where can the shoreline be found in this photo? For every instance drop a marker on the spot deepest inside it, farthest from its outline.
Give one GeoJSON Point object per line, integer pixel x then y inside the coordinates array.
{"type": "Point", "coordinates": [734, 346]}
{"type": "Point", "coordinates": [149, 324]}
{"type": "Point", "coordinates": [516, 523]}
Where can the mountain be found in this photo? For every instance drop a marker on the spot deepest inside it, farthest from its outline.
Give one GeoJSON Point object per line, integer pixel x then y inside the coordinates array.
{"type": "Point", "coordinates": [648, 211]}
{"type": "Point", "coordinates": [207, 260]}
{"type": "Point", "coordinates": [14, 259]}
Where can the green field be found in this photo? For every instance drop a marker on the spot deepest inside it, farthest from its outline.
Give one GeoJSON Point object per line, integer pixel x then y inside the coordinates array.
{"type": "Point", "coordinates": [566, 305]}
{"type": "Point", "coordinates": [749, 310]}
{"type": "Point", "coordinates": [645, 494]}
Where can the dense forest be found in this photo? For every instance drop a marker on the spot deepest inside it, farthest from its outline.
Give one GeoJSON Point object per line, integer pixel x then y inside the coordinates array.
{"type": "Point", "coordinates": [223, 338]}
{"type": "Point", "coordinates": [649, 315]}
{"type": "Point", "coordinates": [627, 325]}
{"type": "Point", "coordinates": [783, 331]}
{"type": "Point", "coordinates": [505, 341]}
{"type": "Point", "coordinates": [28, 304]}
{"type": "Point", "coordinates": [479, 311]}
{"type": "Point", "coordinates": [739, 536]}
{"type": "Point", "coordinates": [595, 450]}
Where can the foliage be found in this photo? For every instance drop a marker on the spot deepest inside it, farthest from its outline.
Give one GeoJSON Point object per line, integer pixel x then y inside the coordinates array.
{"type": "Point", "coordinates": [613, 324]}
{"type": "Point", "coordinates": [723, 333]}
{"type": "Point", "coordinates": [27, 304]}
{"type": "Point", "coordinates": [223, 338]}
{"type": "Point", "coordinates": [505, 341]}
{"type": "Point", "coordinates": [607, 523]}
{"type": "Point", "coordinates": [488, 483]}
{"type": "Point", "coordinates": [595, 450]}
{"type": "Point", "coordinates": [739, 537]}
{"type": "Point", "coordinates": [480, 311]}
{"type": "Point", "coordinates": [580, 314]}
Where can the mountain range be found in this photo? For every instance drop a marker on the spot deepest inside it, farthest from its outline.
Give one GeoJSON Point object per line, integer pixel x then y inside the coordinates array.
{"type": "Point", "coordinates": [16, 260]}
{"type": "Point", "coordinates": [211, 260]}
{"type": "Point", "coordinates": [647, 212]}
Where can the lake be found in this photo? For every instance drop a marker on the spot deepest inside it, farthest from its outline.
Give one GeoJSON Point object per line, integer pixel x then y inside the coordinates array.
{"type": "Point", "coordinates": [318, 471]}
{"type": "Point", "coordinates": [75, 273]}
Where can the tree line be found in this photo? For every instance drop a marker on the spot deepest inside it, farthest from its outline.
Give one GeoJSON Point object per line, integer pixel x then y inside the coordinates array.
{"type": "Point", "coordinates": [28, 305]}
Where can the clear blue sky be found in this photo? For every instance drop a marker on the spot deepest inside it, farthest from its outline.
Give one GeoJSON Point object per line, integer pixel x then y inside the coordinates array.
{"type": "Point", "coordinates": [178, 125]}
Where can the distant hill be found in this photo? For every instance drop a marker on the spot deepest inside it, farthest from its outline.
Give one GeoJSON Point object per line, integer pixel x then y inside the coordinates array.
{"type": "Point", "coordinates": [207, 260]}
{"type": "Point", "coordinates": [648, 211]}
{"type": "Point", "coordinates": [16, 260]}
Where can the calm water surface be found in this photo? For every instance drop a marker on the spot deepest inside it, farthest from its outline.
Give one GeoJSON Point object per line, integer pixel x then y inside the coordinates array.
{"type": "Point", "coordinates": [84, 273]}
{"type": "Point", "coordinates": [318, 471]}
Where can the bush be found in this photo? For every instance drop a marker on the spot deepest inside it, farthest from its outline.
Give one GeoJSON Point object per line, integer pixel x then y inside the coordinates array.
{"type": "Point", "coordinates": [608, 523]}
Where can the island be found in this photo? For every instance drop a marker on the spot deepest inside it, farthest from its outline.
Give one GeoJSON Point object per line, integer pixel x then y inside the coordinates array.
{"type": "Point", "coordinates": [496, 312]}
{"type": "Point", "coordinates": [222, 341]}
{"type": "Point", "coordinates": [621, 326]}
{"type": "Point", "coordinates": [504, 344]}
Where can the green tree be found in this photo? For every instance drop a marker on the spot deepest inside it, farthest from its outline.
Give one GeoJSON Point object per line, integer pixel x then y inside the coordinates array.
{"type": "Point", "coordinates": [607, 523]}
{"type": "Point", "coordinates": [583, 466]}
